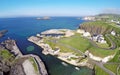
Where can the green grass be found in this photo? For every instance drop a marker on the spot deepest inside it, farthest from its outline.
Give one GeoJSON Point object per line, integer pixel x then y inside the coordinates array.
{"type": "Point", "coordinates": [100, 27]}
{"type": "Point", "coordinates": [112, 67]}
{"type": "Point", "coordinates": [116, 57]}
{"type": "Point", "coordinates": [6, 55]}
{"type": "Point", "coordinates": [77, 42]}
{"type": "Point", "coordinates": [119, 71]}
{"type": "Point", "coordinates": [34, 64]}
{"type": "Point", "coordinates": [116, 40]}
{"type": "Point", "coordinates": [99, 71]}
{"type": "Point", "coordinates": [62, 48]}
{"type": "Point", "coordinates": [103, 45]}
{"type": "Point", "coordinates": [101, 52]}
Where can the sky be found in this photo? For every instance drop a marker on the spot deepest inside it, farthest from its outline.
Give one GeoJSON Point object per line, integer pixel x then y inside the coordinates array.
{"type": "Point", "coordinates": [22, 8]}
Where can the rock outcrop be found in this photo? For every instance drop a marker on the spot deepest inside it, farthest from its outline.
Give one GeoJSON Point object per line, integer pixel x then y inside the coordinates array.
{"type": "Point", "coordinates": [3, 32]}
{"type": "Point", "coordinates": [14, 64]}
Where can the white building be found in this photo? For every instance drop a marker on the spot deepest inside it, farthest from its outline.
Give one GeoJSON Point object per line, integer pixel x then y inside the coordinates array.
{"type": "Point", "coordinates": [113, 33]}
{"type": "Point", "coordinates": [86, 34]}
{"type": "Point", "coordinates": [98, 38]}
{"type": "Point", "coordinates": [80, 31]}
{"type": "Point", "coordinates": [115, 21]}
{"type": "Point", "coordinates": [38, 35]}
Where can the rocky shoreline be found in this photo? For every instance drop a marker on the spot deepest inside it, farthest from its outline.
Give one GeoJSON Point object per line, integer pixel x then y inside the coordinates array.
{"type": "Point", "coordinates": [48, 50]}
{"type": "Point", "coordinates": [17, 67]}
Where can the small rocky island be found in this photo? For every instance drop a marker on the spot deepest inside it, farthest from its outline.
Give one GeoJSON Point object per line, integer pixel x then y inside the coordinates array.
{"type": "Point", "coordinates": [2, 32]}
{"type": "Point", "coordinates": [13, 62]}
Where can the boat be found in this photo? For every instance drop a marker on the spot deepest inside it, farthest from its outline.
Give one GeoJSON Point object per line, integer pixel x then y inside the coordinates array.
{"type": "Point", "coordinates": [77, 68]}
{"type": "Point", "coordinates": [65, 64]}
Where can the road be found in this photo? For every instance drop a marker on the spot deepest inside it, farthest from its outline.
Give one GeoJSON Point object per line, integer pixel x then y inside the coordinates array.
{"type": "Point", "coordinates": [102, 67]}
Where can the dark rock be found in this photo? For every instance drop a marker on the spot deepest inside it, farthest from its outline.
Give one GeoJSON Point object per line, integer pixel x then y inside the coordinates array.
{"type": "Point", "coordinates": [2, 47]}
{"type": "Point", "coordinates": [5, 68]}
{"type": "Point", "coordinates": [8, 44]}
{"type": "Point", "coordinates": [3, 32]}
{"type": "Point", "coordinates": [17, 70]}
{"type": "Point", "coordinates": [1, 73]}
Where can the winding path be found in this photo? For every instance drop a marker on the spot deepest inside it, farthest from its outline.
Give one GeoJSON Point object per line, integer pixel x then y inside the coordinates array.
{"type": "Point", "coordinates": [102, 67]}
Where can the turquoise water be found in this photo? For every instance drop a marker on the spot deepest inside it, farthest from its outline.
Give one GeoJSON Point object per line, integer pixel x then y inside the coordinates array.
{"type": "Point", "coordinates": [21, 28]}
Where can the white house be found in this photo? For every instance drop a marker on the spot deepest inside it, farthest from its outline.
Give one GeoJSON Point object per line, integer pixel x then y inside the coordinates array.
{"type": "Point", "coordinates": [86, 34]}
{"type": "Point", "coordinates": [38, 35]}
{"type": "Point", "coordinates": [101, 39]}
{"type": "Point", "coordinates": [95, 37]}
{"type": "Point", "coordinates": [98, 38]}
{"type": "Point", "coordinates": [113, 33]}
{"type": "Point", "coordinates": [80, 31]}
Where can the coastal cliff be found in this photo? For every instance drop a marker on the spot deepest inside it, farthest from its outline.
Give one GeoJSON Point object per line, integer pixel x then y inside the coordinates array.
{"type": "Point", "coordinates": [98, 27]}
{"type": "Point", "coordinates": [13, 62]}
{"type": "Point", "coordinates": [95, 27]}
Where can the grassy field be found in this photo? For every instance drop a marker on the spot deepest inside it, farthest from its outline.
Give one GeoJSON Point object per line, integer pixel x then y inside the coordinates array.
{"type": "Point", "coordinates": [101, 52]}
{"type": "Point", "coordinates": [99, 71]}
{"type": "Point", "coordinates": [77, 42]}
{"type": "Point", "coordinates": [105, 45]}
{"type": "Point", "coordinates": [112, 67]}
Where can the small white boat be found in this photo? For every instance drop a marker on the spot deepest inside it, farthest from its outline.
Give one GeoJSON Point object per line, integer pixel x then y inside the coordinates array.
{"type": "Point", "coordinates": [77, 68]}
{"type": "Point", "coordinates": [65, 64]}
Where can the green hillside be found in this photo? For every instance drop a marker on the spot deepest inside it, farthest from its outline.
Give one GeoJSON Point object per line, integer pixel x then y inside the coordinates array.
{"type": "Point", "coordinates": [99, 27]}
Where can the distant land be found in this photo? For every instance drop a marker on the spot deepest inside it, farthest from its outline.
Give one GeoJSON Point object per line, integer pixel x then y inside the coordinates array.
{"type": "Point", "coordinates": [43, 18]}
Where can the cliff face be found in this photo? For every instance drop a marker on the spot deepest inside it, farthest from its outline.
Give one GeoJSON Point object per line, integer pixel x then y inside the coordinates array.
{"type": "Point", "coordinates": [96, 27]}
{"type": "Point", "coordinates": [17, 68]}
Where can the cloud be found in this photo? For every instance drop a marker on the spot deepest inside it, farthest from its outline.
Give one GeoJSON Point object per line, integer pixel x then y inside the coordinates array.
{"type": "Point", "coordinates": [112, 10]}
